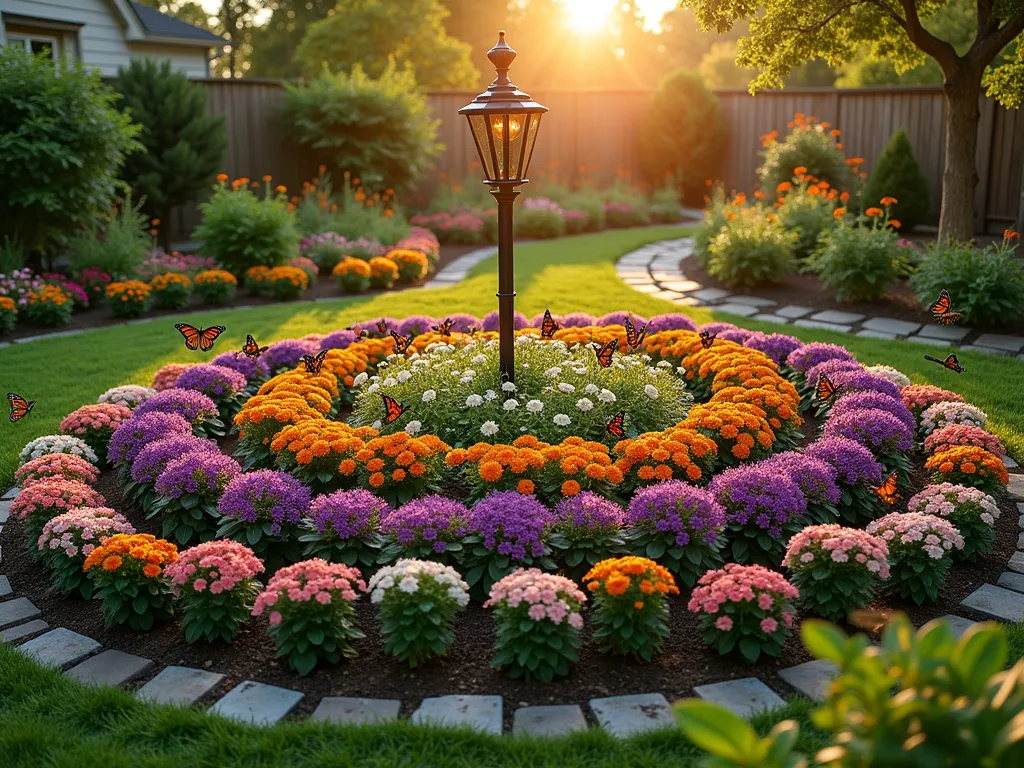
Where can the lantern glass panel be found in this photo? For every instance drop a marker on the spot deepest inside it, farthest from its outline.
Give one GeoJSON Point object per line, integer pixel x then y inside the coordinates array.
{"type": "Point", "coordinates": [530, 142]}
{"type": "Point", "coordinates": [482, 136]}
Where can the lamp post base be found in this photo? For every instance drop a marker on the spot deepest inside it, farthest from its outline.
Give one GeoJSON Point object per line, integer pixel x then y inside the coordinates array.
{"type": "Point", "coordinates": [505, 194]}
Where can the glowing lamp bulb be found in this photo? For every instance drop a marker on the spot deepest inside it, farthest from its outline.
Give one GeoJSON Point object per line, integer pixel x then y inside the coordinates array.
{"type": "Point", "coordinates": [514, 127]}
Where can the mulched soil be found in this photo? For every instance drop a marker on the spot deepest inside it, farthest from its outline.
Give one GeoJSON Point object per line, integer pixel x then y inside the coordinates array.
{"type": "Point", "coordinates": [100, 317]}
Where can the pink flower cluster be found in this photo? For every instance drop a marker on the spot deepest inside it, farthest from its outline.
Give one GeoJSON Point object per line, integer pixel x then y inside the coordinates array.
{"type": "Point", "coordinates": [55, 465]}
{"type": "Point", "coordinates": [743, 584]}
{"type": "Point", "coordinates": [917, 397]}
{"type": "Point", "coordinates": [549, 596]}
{"type": "Point", "coordinates": [80, 531]}
{"type": "Point", "coordinates": [218, 566]}
{"type": "Point", "coordinates": [942, 500]}
{"type": "Point", "coordinates": [314, 579]}
{"type": "Point", "coordinates": [98, 418]}
{"type": "Point", "coordinates": [963, 434]}
{"type": "Point", "coordinates": [54, 495]}
{"type": "Point", "coordinates": [942, 414]}
{"type": "Point", "coordinates": [834, 543]}
{"type": "Point", "coordinates": [912, 530]}
{"type": "Point", "coordinates": [167, 377]}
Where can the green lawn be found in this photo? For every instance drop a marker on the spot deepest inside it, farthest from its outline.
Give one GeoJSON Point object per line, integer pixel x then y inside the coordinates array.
{"type": "Point", "coordinates": [575, 274]}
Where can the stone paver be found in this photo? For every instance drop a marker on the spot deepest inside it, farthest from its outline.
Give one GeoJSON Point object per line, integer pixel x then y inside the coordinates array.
{"type": "Point", "coordinates": [624, 716]}
{"type": "Point", "coordinates": [890, 325]}
{"type": "Point", "coordinates": [771, 319]}
{"type": "Point", "coordinates": [1016, 487]}
{"type": "Point", "coordinates": [1016, 562]}
{"type": "Point", "coordinates": [793, 311]}
{"type": "Point", "coordinates": [17, 610]}
{"type": "Point", "coordinates": [683, 286]}
{"type": "Point", "coordinates": [736, 309]}
{"type": "Point", "coordinates": [823, 326]}
{"type": "Point", "coordinates": [5, 511]}
{"type": "Point", "coordinates": [688, 301]}
{"type": "Point", "coordinates": [10, 493]}
{"type": "Point", "coordinates": [929, 342]}
{"type": "Point", "coordinates": [944, 332]}
{"type": "Point", "coordinates": [19, 631]}
{"type": "Point", "coordinates": [5, 587]}
{"type": "Point", "coordinates": [1011, 580]}
{"type": "Point", "coordinates": [480, 712]}
{"type": "Point", "coordinates": [179, 686]}
{"type": "Point", "coordinates": [1009, 463]}
{"type": "Point", "coordinates": [744, 696]}
{"type": "Point", "coordinates": [811, 678]}
{"type": "Point", "coordinates": [986, 350]}
{"type": "Point", "coordinates": [557, 720]}
{"type": "Point", "coordinates": [752, 301]}
{"type": "Point", "coordinates": [710, 294]}
{"type": "Point", "coordinates": [666, 295]}
{"type": "Point", "coordinates": [59, 647]}
{"type": "Point", "coordinates": [996, 602]}
{"type": "Point", "coordinates": [256, 703]}
{"type": "Point", "coordinates": [876, 335]}
{"type": "Point", "coordinates": [647, 288]}
{"type": "Point", "coordinates": [341, 709]}
{"type": "Point", "coordinates": [1020, 540]}
{"type": "Point", "coordinates": [837, 317]}
{"type": "Point", "coordinates": [110, 668]}
{"type": "Point", "coordinates": [958, 624]}
{"type": "Point", "coordinates": [1000, 341]}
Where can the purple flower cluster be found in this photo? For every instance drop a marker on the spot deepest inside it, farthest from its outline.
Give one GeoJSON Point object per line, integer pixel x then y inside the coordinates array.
{"type": "Point", "coordinates": [371, 325]}
{"type": "Point", "coordinates": [670, 322]}
{"type": "Point", "coordinates": [285, 354]}
{"type": "Point", "coordinates": [348, 513]}
{"type": "Point", "coordinates": [434, 520]}
{"type": "Point", "coordinates": [154, 458]}
{"type": "Point", "coordinates": [854, 463]}
{"type": "Point", "coordinates": [416, 324]}
{"type": "Point", "coordinates": [809, 355]}
{"type": "Point", "coordinates": [338, 340]}
{"type": "Point", "coordinates": [142, 429]}
{"type": "Point", "coordinates": [753, 495]}
{"type": "Point", "coordinates": [862, 381]}
{"type": "Point", "coordinates": [815, 477]}
{"type": "Point", "coordinates": [717, 327]}
{"type": "Point", "coordinates": [265, 495]}
{"type": "Point", "coordinates": [512, 523]}
{"type": "Point", "coordinates": [575, 320]}
{"type": "Point", "coordinates": [877, 430]}
{"type": "Point", "coordinates": [214, 381]}
{"type": "Point", "coordinates": [858, 400]}
{"type": "Point", "coordinates": [588, 514]}
{"type": "Point", "coordinates": [678, 508]}
{"type": "Point", "coordinates": [489, 322]}
{"type": "Point", "coordinates": [462, 322]}
{"type": "Point", "coordinates": [619, 318]}
{"type": "Point", "coordinates": [193, 406]}
{"type": "Point", "coordinates": [830, 368]}
{"type": "Point", "coordinates": [778, 346]}
{"type": "Point", "coordinates": [203, 473]}
{"type": "Point", "coordinates": [738, 335]}
{"type": "Point", "coordinates": [254, 369]}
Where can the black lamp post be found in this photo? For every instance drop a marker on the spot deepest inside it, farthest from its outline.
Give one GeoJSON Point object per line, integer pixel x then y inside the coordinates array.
{"type": "Point", "coordinates": [504, 122]}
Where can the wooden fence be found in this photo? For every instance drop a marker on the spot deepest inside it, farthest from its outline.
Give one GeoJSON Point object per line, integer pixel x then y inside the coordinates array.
{"type": "Point", "coordinates": [596, 131]}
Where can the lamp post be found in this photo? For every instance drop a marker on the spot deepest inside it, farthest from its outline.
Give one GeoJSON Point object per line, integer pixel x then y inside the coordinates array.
{"type": "Point", "coordinates": [504, 122]}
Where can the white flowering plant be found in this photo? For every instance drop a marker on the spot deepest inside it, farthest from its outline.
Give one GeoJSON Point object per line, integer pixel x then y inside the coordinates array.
{"type": "Point", "coordinates": [417, 601]}
{"type": "Point", "coordinates": [57, 444]}
{"type": "Point", "coordinates": [971, 510]}
{"type": "Point", "coordinates": [456, 393]}
{"type": "Point", "coordinates": [128, 395]}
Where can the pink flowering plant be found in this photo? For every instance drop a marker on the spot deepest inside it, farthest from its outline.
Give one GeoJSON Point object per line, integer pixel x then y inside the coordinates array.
{"type": "Point", "coordinates": [95, 424]}
{"type": "Point", "coordinates": [44, 500]}
{"type": "Point", "coordinates": [311, 612]}
{"type": "Point", "coordinates": [744, 607]}
{"type": "Point", "coordinates": [55, 465]}
{"type": "Point", "coordinates": [539, 622]}
{"type": "Point", "coordinates": [943, 414]}
{"type": "Point", "coordinates": [215, 583]}
{"type": "Point", "coordinates": [971, 510]}
{"type": "Point", "coordinates": [917, 397]}
{"type": "Point", "coordinates": [920, 552]}
{"type": "Point", "coordinates": [836, 569]}
{"type": "Point", "coordinates": [69, 538]}
{"type": "Point", "coordinates": [417, 601]}
{"type": "Point", "coordinates": [963, 434]}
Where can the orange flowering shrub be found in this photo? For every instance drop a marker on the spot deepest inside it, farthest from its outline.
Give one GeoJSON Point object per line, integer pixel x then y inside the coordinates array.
{"type": "Point", "coordinates": [412, 265]}
{"type": "Point", "coordinates": [672, 345]}
{"type": "Point", "coordinates": [400, 466]}
{"type": "Point", "coordinates": [352, 274]}
{"type": "Point", "coordinates": [778, 399]}
{"type": "Point", "coordinates": [592, 334]}
{"type": "Point", "coordinates": [968, 465]}
{"type": "Point", "coordinates": [383, 272]}
{"type": "Point", "coordinates": [127, 574]}
{"type": "Point", "coordinates": [285, 283]}
{"type": "Point", "coordinates": [171, 290]}
{"type": "Point", "coordinates": [321, 453]}
{"type": "Point", "coordinates": [677, 453]}
{"type": "Point", "coordinates": [128, 298]}
{"type": "Point", "coordinates": [343, 365]}
{"type": "Point", "coordinates": [324, 385]}
{"type": "Point", "coordinates": [8, 314]}
{"type": "Point", "coordinates": [741, 430]}
{"type": "Point", "coordinates": [256, 279]}
{"type": "Point", "coordinates": [259, 421]}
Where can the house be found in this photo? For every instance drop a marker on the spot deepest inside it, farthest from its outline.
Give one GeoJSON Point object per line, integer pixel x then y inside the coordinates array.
{"type": "Point", "coordinates": [106, 34]}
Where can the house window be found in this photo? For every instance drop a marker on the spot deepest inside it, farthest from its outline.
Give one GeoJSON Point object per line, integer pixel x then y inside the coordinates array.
{"type": "Point", "coordinates": [50, 46]}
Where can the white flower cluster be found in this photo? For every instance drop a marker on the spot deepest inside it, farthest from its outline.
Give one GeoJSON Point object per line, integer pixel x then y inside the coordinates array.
{"type": "Point", "coordinates": [408, 576]}
{"type": "Point", "coordinates": [128, 395]}
{"type": "Point", "coordinates": [57, 444]}
{"type": "Point", "coordinates": [890, 373]}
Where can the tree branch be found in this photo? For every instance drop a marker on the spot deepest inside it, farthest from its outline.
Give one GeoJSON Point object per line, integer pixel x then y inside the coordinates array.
{"type": "Point", "coordinates": [940, 50]}
{"type": "Point", "coordinates": [819, 25]}
{"type": "Point", "coordinates": [987, 45]}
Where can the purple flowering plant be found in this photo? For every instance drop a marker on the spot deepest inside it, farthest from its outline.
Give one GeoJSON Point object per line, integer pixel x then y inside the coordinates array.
{"type": "Point", "coordinates": [187, 493]}
{"type": "Point", "coordinates": [778, 346]}
{"type": "Point", "coordinates": [739, 335]}
{"type": "Point", "coordinates": [717, 327]}
{"type": "Point", "coordinates": [153, 459]}
{"type": "Point", "coordinates": [863, 381]}
{"type": "Point", "coordinates": [139, 431]}
{"type": "Point", "coordinates": [817, 481]}
{"type": "Point", "coordinates": [857, 400]}
{"type": "Point", "coordinates": [344, 527]}
{"type": "Point", "coordinates": [255, 369]}
{"type": "Point", "coordinates": [463, 322]}
{"type": "Point", "coordinates": [220, 383]}
{"type": "Point", "coordinates": [588, 528]}
{"type": "Point", "coordinates": [670, 322]}
{"type": "Point", "coordinates": [619, 318]}
{"type": "Point", "coordinates": [339, 339]}
{"type": "Point", "coordinates": [414, 325]}
{"type": "Point", "coordinates": [284, 355]}
{"type": "Point", "coordinates": [489, 322]}
{"type": "Point", "coordinates": [858, 472]}
{"type": "Point", "coordinates": [195, 407]}
{"type": "Point", "coordinates": [428, 528]}
{"type": "Point", "coordinates": [883, 434]}
{"type": "Point", "coordinates": [803, 359]}
{"type": "Point", "coordinates": [680, 526]}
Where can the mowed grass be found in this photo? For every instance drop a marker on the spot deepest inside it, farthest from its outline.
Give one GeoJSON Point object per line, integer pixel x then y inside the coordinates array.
{"type": "Point", "coordinates": [572, 274]}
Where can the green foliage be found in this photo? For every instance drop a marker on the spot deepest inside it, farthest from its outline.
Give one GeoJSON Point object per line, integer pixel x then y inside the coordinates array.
{"type": "Point", "coordinates": [898, 174]}
{"type": "Point", "coordinates": [731, 740]}
{"type": "Point", "coordinates": [49, 307]}
{"type": "Point", "coordinates": [350, 212]}
{"type": "Point", "coordinates": [590, 202]}
{"type": "Point", "coordinates": [241, 230]}
{"type": "Point", "coordinates": [539, 223]}
{"type": "Point", "coordinates": [8, 318]}
{"type": "Point", "coordinates": [378, 129]}
{"type": "Point", "coordinates": [214, 292]}
{"type": "Point", "coordinates": [137, 603]}
{"type": "Point", "coordinates": [833, 590]}
{"type": "Point", "coordinates": [61, 145]}
{"type": "Point", "coordinates": [186, 520]}
{"type": "Point", "coordinates": [716, 215]}
{"type": "Point", "coordinates": [808, 217]}
{"type": "Point", "coordinates": [12, 255]}
{"type": "Point", "coordinates": [987, 284]}
{"type": "Point", "coordinates": [274, 43]}
{"type": "Point", "coordinates": [207, 617]}
{"type": "Point", "coordinates": [683, 133]}
{"type": "Point", "coordinates": [534, 650]}
{"type": "Point", "coordinates": [311, 633]}
{"type": "Point", "coordinates": [810, 146]}
{"type": "Point", "coordinates": [858, 263]}
{"type": "Point", "coordinates": [115, 243]}
{"type": "Point", "coordinates": [750, 250]}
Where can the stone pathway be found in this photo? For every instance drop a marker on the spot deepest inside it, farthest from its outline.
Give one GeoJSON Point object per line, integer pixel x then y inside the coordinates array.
{"type": "Point", "coordinates": [657, 270]}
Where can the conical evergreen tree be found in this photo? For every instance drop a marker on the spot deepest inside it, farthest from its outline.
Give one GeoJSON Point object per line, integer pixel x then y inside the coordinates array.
{"type": "Point", "coordinates": [897, 174]}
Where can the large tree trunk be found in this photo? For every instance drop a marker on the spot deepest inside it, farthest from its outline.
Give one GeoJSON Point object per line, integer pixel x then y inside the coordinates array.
{"type": "Point", "coordinates": [963, 90]}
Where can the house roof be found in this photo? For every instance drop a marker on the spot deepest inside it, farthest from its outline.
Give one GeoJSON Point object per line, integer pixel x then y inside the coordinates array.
{"type": "Point", "coordinates": [162, 26]}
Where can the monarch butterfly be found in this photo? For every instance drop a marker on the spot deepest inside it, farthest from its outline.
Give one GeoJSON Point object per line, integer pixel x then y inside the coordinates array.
{"type": "Point", "coordinates": [633, 337]}
{"type": "Point", "coordinates": [941, 310]}
{"type": "Point", "coordinates": [392, 409]}
{"type": "Point", "coordinates": [604, 354]}
{"type": "Point", "coordinates": [950, 362]}
{"type": "Point", "coordinates": [825, 390]}
{"type": "Point", "coordinates": [401, 342]}
{"type": "Point", "coordinates": [549, 326]}
{"type": "Point", "coordinates": [445, 328]}
{"type": "Point", "coordinates": [707, 339]}
{"type": "Point", "coordinates": [313, 364]}
{"type": "Point", "coordinates": [615, 425]}
{"type": "Point", "coordinates": [199, 338]}
{"type": "Point", "coordinates": [382, 326]}
{"type": "Point", "coordinates": [361, 333]}
{"type": "Point", "coordinates": [19, 406]}
{"type": "Point", "coordinates": [887, 490]}
{"type": "Point", "coordinates": [251, 348]}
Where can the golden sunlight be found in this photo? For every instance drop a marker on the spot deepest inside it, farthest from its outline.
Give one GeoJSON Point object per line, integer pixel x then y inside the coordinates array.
{"type": "Point", "coordinates": [588, 16]}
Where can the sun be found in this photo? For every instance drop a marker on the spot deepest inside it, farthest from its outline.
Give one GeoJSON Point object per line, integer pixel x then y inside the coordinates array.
{"type": "Point", "coordinates": [588, 16]}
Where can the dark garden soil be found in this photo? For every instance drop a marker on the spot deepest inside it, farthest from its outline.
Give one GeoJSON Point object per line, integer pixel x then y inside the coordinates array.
{"type": "Point", "coordinates": [325, 287]}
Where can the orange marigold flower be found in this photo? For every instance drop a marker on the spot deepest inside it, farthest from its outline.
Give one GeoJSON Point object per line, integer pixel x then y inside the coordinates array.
{"type": "Point", "coordinates": [570, 488]}
{"type": "Point", "coordinates": [151, 570]}
{"type": "Point", "coordinates": [639, 605]}
{"type": "Point", "coordinates": [838, 213]}
{"type": "Point", "coordinates": [888, 200]}
{"type": "Point", "coordinates": [377, 479]}
{"type": "Point", "coordinates": [895, 223]}
{"type": "Point", "coordinates": [617, 584]}
{"type": "Point", "coordinates": [873, 212]}
{"type": "Point", "coordinates": [112, 563]}
{"type": "Point", "coordinates": [800, 170]}
{"type": "Point", "coordinates": [525, 486]}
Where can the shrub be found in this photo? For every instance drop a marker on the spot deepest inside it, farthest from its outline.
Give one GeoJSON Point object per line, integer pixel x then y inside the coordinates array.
{"type": "Point", "coordinates": [588, 528]}
{"type": "Point", "coordinates": [12, 255]}
{"type": "Point", "coordinates": [353, 212]}
{"type": "Point", "coordinates": [412, 265]}
{"type": "Point", "coordinates": [683, 133]}
{"type": "Point", "coordinates": [383, 273]}
{"type": "Point", "coordinates": [141, 430]}
{"type": "Point", "coordinates": [898, 174]}
{"type": "Point", "coordinates": [343, 527]}
{"type": "Point", "coordinates": [95, 281]}
{"type": "Point", "coordinates": [973, 512]}
{"type": "Point", "coordinates": [810, 146]}
{"type": "Point", "coordinates": [8, 314]}
{"type": "Point", "coordinates": [138, 482]}
{"type": "Point", "coordinates": [285, 283]}
{"type": "Point", "coordinates": [114, 243]}
{"type": "Point", "coordinates": [963, 434]}
{"type": "Point", "coordinates": [417, 603]}
{"type": "Point", "coordinates": [220, 383]}
{"type": "Point", "coordinates": [215, 287]}
{"type": "Point", "coordinates": [460, 228]}
{"type": "Point", "coordinates": [858, 263]}
{"type": "Point", "coordinates": [920, 548]}
{"type": "Point", "coordinates": [718, 211]}
{"type": "Point", "coordinates": [575, 222]}
{"type": "Point", "coordinates": [240, 230]}
{"type": "Point", "coordinates": [536, 638]}
{"type": "Point", "coordinates": [808, 215]}
{"type": "Point", "coordinates": [47, 444]}
{"type": "Point", "coordinates": [129, 298]}
{"type": "Point", "coordinates": [58, 465]}
{"type": "Point", "coordinates": [67, 539]}
{"type": "Point", "coordinates": [623, 215]}
{"type": "Point", "coordinates": [127, 573]}
{"type": "Point", "coordinates": [429, 527]}
{"type": "Point", "coordinates": [589, 202]}
{"type": "Point", "coordinates": [968, 465]}
{"type": "Point", "coordinates": [328, 249]}
{"type": "Point", "coordinates": [353, 275]}
{"type": "Point", "coordinates": [187, 494]}
{"type": "Point", "coordinates": [158, 262]}
{"type": "Point", "coordinates": [540, 219]}
{"type": "Point", "coordinates": [949, 413]}
{"type": "Point", "coordinates": [306, 265]}
{"type": "Point", "coordinates": [48, 306]}
{"type": "Point", "coordinates": [750, 250]}
{"type": "Point", "coordinates": [986, 284]}
{"type": "Point", "coordinates": [95, 424]}
{"type": "Point", "coordinates": [170, 290]}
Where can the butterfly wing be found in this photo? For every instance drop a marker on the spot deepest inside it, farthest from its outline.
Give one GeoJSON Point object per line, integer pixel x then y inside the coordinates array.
{"type": "Point", "coordinates": [549, 326]}
{"type": "Point", "coordinates": [208, 336]}
{"type": "Point", "coordinates": [949, 319]}
{"type": "Point", "coordinates": [19, 406]}
{"type": "Point", "coordinates": [641, 336]}
{"type": "Point", "coordinates": [630, 332]}
{"type": "Point", "coordinates": [887, 490]}
{"type": "Point", "coordinates": [191, 334]}
{"type": "Point", "coordinates": [392, 409]}
{"type": "Point", "coordinates": [445, 328]}
{"type": "Point", "coordinates": [401, 342]}
{"type": "Point", "coordinates": [942, 304]}
{"type": "Point", "coordinates": [615, 426]}
{"type": "Point", "coordinates": [707, 339]}
{"type": "Point", "coordinates": [825, 388]}
{"type": "Point", "coordinates": [382, 326]}
{"type": "Point", "coordinates": [605, 353]}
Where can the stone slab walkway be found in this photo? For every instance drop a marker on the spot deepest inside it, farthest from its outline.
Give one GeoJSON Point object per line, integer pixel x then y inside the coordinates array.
{"type": "Point", "coordinates": [179, 686]}
{"type": "Point", "coordinates": [340, 709]}
{"type": "Point", "coordinates": [482, 713]}
{"type": "Point", "coordinates": [745, 696]}
{"type": "Point", "coordinates": [256, 703]}
{"type": "Point", "coordinates": [625, 716]}
{"type": "Point", "coordinates": [555, 720]}
{"type": "Point", "coordinates": [110, 668]}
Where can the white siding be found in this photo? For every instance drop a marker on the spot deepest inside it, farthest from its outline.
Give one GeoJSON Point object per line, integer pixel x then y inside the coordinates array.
{"type": "Point", "coordinates": [189, 59]}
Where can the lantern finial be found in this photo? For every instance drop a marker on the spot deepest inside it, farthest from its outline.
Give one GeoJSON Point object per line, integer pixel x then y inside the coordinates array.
{"type": "Point", "coordinates": [501, 56]}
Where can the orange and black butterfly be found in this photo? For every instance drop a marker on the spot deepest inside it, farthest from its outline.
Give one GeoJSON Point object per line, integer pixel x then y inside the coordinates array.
{"type": "Point", "coordinates": [19, 406]}
{"type": "Point", "coordinates": [825, 389]}
{"type": "Point", "coordinates": [942, 310]}
{"type": "Point", "coordinates": [199, 338]}
{"type": "Point", "coordinates": [887, 490]}
{"type": "Point", "coordinates": [950, 362]}
{"type": "Point", "coordinates": [361, 333]}
{"type": "Point", "coordinates": [382, 326]}
{"type": "Point", "coordinates": [549, 326]}
{"type": "Point", "coordinates": [615, 426]}
{"type": "Point", "coordinates": [401, 342]}
{"type": "Point", "coordinates": [634, 337]}
{"type": "Point", "coordinates": [445, 328]}
{"type": "Point", "coordinates": [314, 364]}
{"type": "Point", "coordinates": [604, 353]}
{"type": "Point", "coordinates": [707, 339]}
{"type": "Point", "coordinates": [392, 409]}
{"type": "Point", "coordinates": [251, 348]}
